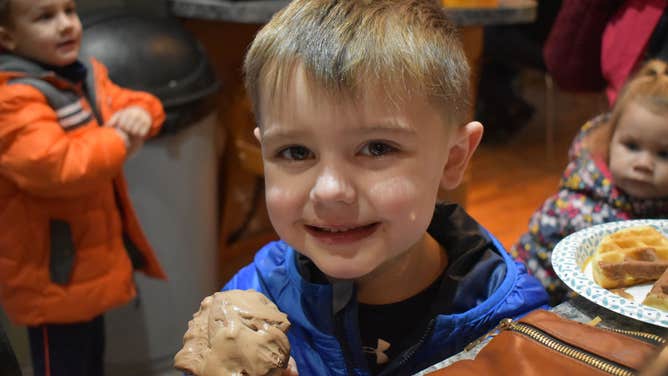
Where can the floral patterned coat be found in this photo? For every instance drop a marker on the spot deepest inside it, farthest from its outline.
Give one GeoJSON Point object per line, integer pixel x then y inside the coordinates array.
{"type": "Point", "coordinates": [587, 196]}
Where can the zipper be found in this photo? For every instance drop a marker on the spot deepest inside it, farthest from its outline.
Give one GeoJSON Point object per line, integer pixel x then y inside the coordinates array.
{"type": "Point", "coordinates": [557, 345]}
{"type": "Point", "coordinates": [644, 336]}
{"type": "Point", "coordinates": [400, 361]}
{"type": "Point", "coordinates": [340, 334]}
{"type": "Point", "coordinates": [503, 324]}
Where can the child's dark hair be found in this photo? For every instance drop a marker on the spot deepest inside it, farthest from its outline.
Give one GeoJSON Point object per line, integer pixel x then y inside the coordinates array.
{"type": "Point", "coordinates": [4, 11]}
{"type": "Point", "coordinates": [402, 47]}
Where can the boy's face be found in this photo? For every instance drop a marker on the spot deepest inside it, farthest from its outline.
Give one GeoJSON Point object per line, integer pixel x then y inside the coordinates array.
{"type": "Point", "coordinates": [353, 186]}
{"type": "Point", "coordinates": [639, 153]}
{"type": "Point", "coordinates": [47, 31]}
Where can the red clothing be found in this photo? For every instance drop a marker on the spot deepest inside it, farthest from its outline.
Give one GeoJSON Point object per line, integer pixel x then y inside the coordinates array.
{"type": "Point", "coordinates": [51, 172]}
{"type": "Point", "coordinates": [596, 44]}
{"type": "Point", "coordinates": [625, 39]}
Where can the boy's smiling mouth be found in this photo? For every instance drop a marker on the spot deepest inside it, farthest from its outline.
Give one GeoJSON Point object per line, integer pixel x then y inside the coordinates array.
{"type": "Point", "coordinates": [67, 43]}
{"type": "Point", "coordinates": [341, 234]}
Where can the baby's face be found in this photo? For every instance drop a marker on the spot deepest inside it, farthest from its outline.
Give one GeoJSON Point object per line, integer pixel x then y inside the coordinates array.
{"type": "Point", "coordinates": [639, 153]}
{"type": "Point", "coordinates": [47, 31]}
{"type": "Point", "coordinates": [352, 185]}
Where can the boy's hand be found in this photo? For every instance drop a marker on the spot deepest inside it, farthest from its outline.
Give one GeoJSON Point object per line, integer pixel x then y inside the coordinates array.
{"type": "Point", "coordinates": [132, 143]}
{"type": "Point", "coordinates": [291, 370]}
{"type": "Point", "coordinates": [124, 136]}
{"type": "Point", "coordinates": [136, 143]}
{"type": "Point", "coordinates": [133, 120]}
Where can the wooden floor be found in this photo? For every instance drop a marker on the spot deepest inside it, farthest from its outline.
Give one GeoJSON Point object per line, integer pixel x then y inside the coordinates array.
{"type": "Point", "coordinates": [510, 179]}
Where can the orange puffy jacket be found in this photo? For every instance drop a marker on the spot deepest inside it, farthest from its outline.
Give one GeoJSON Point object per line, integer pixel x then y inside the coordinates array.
{"type": "Point", "coordinates": [66, 222]}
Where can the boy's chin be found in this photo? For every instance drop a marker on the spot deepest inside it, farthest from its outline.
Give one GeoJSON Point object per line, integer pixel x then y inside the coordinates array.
{"type": "Point", "coordinates": [344, 271]}
{"type": "Point", "coordinates": [66, 62]}
{"type": "Point", "coordinates": [66, 59]}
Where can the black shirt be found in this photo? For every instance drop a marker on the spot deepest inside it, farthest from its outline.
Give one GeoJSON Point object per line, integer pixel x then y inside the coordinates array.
{"type": "Point", "coordinates": [387, 330]}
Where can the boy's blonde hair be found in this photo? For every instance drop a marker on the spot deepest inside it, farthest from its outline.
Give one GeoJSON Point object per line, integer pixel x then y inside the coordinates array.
{"type": "Point", "coordinates": [402, 47]}
{"type": "Point", "coordinates": [647, 88]}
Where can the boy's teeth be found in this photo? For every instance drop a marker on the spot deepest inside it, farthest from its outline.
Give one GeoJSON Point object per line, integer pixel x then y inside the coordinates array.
{"type": "Point", "coordinates": [336, 229]}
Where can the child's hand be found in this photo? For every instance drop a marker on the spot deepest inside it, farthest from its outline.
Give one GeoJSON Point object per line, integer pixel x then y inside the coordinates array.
{"type": "Point", "coordinates": [124, 136]}
{"type": "Point", "coordinates": [132, 143]}
{"type": "Point", "coordinates": [133, 120]}
{"type": "Point", "coordinates": [291, 370]}
{"type": "Point", "coordinates": [136, 143]}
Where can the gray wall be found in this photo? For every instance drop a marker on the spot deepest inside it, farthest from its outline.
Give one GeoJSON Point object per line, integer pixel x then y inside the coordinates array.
{"type": "Point", "coordinates": [156, 7]}
{"type": "Point", "coordinates": [91, 4]}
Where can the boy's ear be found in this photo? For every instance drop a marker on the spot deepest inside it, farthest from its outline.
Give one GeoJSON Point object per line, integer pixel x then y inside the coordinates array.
{"type": "Point", "coordinates": [466, 140]}
{"type": "Point", "coordinates": [6, 39]}
{"type": "Point", "coordinates": [257, 134]}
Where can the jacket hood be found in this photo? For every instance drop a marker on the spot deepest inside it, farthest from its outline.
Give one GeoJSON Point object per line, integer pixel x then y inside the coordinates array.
{"type": "Point", "coordinates": [16, 64]}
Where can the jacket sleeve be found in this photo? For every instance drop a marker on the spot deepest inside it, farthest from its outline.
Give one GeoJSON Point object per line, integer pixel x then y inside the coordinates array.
{"type": "Point", "coordinates": [245, 279]}
{"type": "Point", "coordinates": [41, 158]}
{"type": "Point", "coordinates": [122, 98]}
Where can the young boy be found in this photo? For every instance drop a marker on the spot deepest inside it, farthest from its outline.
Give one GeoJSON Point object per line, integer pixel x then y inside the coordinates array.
{"type": "Point", "coordinates": [361, 109]}
{"type": "Point", "coordinates": [69, 238]}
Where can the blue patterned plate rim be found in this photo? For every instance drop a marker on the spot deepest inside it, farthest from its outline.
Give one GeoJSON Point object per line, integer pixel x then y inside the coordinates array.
{"type": "Point", "coordinates": [570, 254]}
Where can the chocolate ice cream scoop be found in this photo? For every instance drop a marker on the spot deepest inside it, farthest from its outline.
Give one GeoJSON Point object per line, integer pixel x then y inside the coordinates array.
{"type": "Point", "coordinates": [236, 332]}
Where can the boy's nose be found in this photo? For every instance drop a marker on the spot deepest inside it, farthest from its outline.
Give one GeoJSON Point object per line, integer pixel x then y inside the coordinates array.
{"type": "Point", "coordinates": [332, 187]}
{"type": "Point", "coordinates": [644, 162]}
{"type": "Point", "coordinates": [65, 22]}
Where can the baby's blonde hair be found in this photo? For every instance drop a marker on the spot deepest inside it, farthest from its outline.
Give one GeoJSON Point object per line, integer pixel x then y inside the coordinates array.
{"type": "Point", "coordinates": [403, 47]}
{"type": "Point", "coordinates": [647, 88]}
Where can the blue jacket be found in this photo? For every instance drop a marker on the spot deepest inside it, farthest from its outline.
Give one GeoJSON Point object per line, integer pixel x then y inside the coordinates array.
{"type": "Point", "coordinates": [324, 335]}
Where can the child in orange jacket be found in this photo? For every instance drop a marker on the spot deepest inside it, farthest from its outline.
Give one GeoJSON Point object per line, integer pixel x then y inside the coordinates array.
{"type": "Point", "coordinates": [69, 238]}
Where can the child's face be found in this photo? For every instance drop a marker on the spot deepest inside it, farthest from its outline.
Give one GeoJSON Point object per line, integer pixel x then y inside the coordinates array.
{"type": "Point", "coordinates": [353, 186]}
{"type": "Point", "coordinates": [47, 31]}
{"type": "Point", "coordinates": [639, 153]}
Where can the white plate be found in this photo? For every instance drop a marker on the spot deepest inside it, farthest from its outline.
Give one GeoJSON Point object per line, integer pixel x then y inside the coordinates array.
{"type": "Point", "coordinates": [568, 261]}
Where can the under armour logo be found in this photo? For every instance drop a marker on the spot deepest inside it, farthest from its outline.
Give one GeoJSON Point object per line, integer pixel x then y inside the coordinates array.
{"type": "Point", "coordinates": [382, 346]}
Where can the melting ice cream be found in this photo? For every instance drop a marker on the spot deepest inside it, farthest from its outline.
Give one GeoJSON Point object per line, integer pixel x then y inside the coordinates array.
{"type": "Point", "coordinates": [236, 332]}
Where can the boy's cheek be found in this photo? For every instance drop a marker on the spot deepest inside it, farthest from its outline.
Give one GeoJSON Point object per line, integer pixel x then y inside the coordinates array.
{"type": "Point", "coordinates": [404, 202]}
{"type": "Point", "coordinates": [283, 199]}
{"type": "Point", "coordinates": [394, 189]}
{"type": "Point", "coordinates": [398, 192]}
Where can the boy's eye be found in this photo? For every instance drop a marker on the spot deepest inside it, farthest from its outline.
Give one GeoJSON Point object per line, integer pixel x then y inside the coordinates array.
{"type": "Point", "coordinates": [377, 149]}
{"type": "Point", "coordinates": [632, 146]}
{"type": "Point", "coordinates": [663, 154]}
{"type": "Point", "coordinates": [295, 153]}
{"type": "Point", "coordinates": [44, 16]}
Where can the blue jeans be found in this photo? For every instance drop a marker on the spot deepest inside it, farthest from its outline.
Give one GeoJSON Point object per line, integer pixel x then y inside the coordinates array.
{"type": "Point", "coordinates": [68, 349]}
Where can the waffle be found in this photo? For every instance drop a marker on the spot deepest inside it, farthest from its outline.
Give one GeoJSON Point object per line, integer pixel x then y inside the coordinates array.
{"type": "Point", "coordinates": [630, 256]}
{"type": "Point", "coordinates": [658, 295]}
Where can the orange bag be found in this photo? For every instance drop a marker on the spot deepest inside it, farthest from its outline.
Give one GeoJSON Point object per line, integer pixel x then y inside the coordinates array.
{"type": "Point", "coordinates": [544, 343]}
